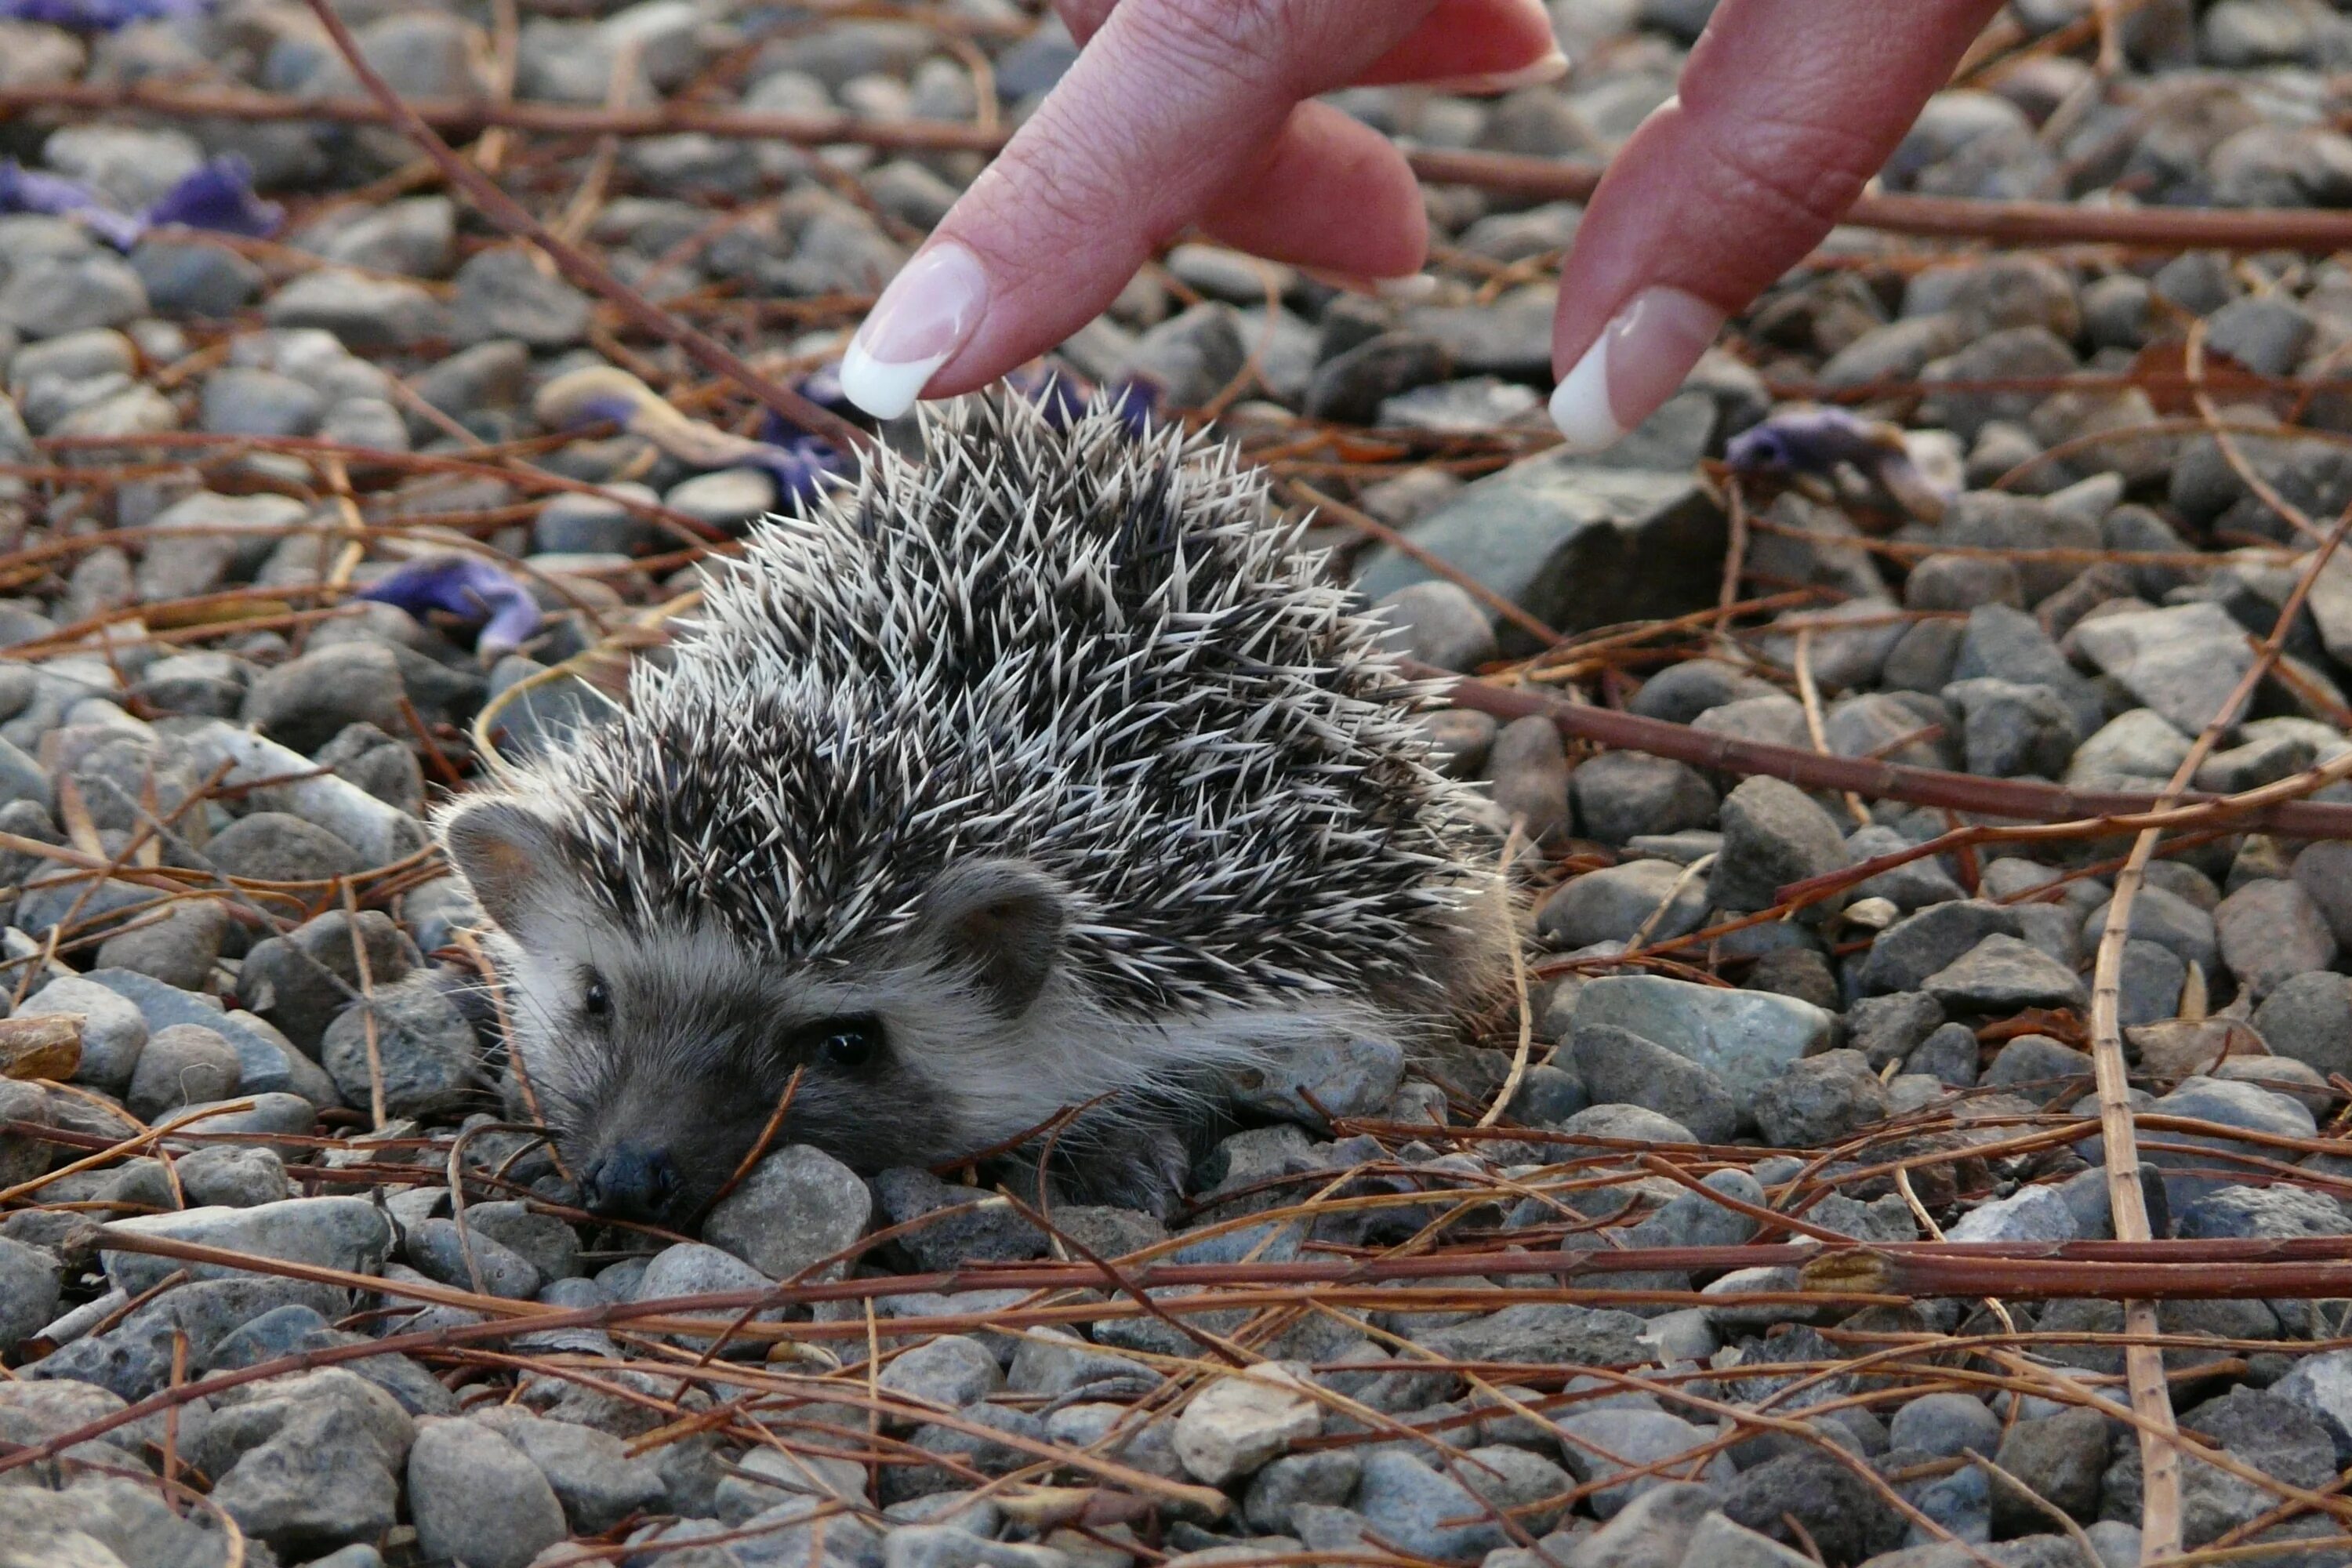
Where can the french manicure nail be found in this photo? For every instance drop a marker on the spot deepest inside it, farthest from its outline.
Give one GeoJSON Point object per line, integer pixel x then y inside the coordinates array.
{"type": "Point", "coordinates": [926, 313]}
{"type": "Point", "coordinates": [1635, 363]}
{"type": "Point", "coordinates": [1549, 69]}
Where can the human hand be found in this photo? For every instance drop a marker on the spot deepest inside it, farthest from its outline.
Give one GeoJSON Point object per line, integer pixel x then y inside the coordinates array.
{"type": "Point", "coordinates": [1199, 111]}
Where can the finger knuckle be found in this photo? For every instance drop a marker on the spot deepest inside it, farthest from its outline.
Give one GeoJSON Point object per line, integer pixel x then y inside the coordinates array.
{"type": "Point", "coordinates": [1217, 41]}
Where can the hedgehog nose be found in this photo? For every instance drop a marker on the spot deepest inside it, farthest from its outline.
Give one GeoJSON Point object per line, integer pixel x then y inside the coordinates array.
{"type": "Point", "coordinates": [630, 1181]}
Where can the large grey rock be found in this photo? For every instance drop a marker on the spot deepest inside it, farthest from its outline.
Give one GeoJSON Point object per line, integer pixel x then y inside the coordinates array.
{"type": "Point", "coordinates": [345, 1233]}
{"type": "Point", "coordinates": [1652, 1530]}
{"type": "Point", "coordinates": [1575, 544]}
{"type": "Point", "coordinates": [1746, 1038]}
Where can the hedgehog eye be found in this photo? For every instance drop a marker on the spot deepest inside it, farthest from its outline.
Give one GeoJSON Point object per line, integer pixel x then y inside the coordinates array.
{"type": "Point", "coordinates": [594, 1000]}
{"type": "Point", "coordinates": [847, 1042]}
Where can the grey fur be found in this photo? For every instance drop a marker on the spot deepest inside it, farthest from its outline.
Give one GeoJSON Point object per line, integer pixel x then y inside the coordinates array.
{"type": "Point", "coordinates": [1050, 751]}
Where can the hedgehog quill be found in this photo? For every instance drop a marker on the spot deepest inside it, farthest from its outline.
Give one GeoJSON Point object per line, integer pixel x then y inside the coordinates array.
{"type": "Point", "coordinates": [1039, 770]}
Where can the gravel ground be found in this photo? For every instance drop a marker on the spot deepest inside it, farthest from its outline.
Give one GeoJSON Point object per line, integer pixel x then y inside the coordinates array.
{"type": "Point", "coordinates": [265, 488]}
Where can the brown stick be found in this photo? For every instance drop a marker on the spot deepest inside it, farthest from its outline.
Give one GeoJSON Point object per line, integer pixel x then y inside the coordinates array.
{"type": "Point", "coordinates": [1934, 218]}
{"type": "Point", "coordinates": [1876, 780]}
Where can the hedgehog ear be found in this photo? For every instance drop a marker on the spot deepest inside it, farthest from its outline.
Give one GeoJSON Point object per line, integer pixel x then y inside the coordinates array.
{"type": "Point", "coordinates": [506, 851]}
{"type": "Point", "coordinates": [1004, 920]}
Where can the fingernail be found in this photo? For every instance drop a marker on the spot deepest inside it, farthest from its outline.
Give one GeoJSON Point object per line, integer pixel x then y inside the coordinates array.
{"type": "Point", "coordinates": [1635, 365]}
{"type": "Point", "coordinates": [1412, 288]}
{"type": "Point", "coordinates": [1549, 69]}
{"type": "Point", "coordinates": [925, 315]}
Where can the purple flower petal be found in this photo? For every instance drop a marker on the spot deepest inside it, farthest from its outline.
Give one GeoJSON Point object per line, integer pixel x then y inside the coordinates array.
{"type": "Point", "coordinates": [99, 15]}
{"type": "Point", "coordinates": [24, 190]}
{"type": "Point", "coordinates": [219, 197]}
{"type": "Point", "coordinates": [1812, 441]}
{"type": "Point", "coordinates": [805, 467]}
{"type": "Point", "coordinates": [463, 585]}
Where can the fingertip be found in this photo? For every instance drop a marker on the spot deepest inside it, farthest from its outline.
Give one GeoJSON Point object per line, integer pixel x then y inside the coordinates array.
{"type": "Point", "coordinates": [930, 309]}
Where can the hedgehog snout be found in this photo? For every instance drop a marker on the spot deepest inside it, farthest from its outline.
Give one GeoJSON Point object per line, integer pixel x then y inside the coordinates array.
{"type": "Point", "coordinates": [632, 1182]}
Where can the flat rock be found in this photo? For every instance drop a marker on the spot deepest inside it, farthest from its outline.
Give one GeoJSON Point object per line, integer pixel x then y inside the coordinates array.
{"type": "Point", "coordinates": [1575, 544]}
{"type": "Point", "coordinates": [1746, 1038]}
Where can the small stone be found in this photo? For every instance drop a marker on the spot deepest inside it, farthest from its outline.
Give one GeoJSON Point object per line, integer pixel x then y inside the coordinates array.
{"type": "Point", "coordinates": [2031, 1214]}
{"type": "Point", "coordinates": [1350, 386]}
{"type": "Point", "coordinates": [1889, 1028]}
{"type": "Point", "coordinates": [1238, 1423]}
{"type": "Point", "coordinates": [503, 293]}
{"type": "Point", "coordinates": [234, 1175]}
{"type": "Point", "coordinates": [2059, 1459]}
{"type": "Point", "coordinates": [572, 523]}
{"type": "Point", "coordinates": [47, 1048]}
{"type": "Point", "coordinates": [427, 1055]}
{"type": "Point", "coordinates": [2011, 729]}
{"type": "Point", "coordinates": [2183, 662]}
{"type": "Point", "coordinates": [441, 1250]}
{"type": "Point", "coordinates": [1748, 1039]}
{"type": "Point", "coordinates": [2041, 1070]}
{"type": "Point", "coordinates": [796, 1207]}
{"type": "Point", "coordinates": [2308, 1018]}
{"type": "Point", "coordinates": [951, 1371]}
{"type": "Point", "coordinates": [478, 1498]}
{"type": "Point", "coordinates": [1945, 1424]}
{"type": "Point", "coordinates": [727, 499]}
{"type": "Point", "coordinates": [2277, 1214]}
{"type": "Point", "coordinates": [1620, 795]}
{"type": "Point", "coordinates": [1843, 1515]}
{"type": "Point", "coordinates": [179, 949]}
{"type": "Point", "coordinates": [1528, 766]}
{"type": "Point", "coordinates": [183, 1065]}
{"type": "Point", "coordinates": [1311, 1080]}
{"type": "Point", "coordinates": [30, 1283]}
{"type": "Point", "coordinates": [593, 1476]}
{"type": "Point", "coordinates": [1720, 1543]}
{"type": "Point", "coordinates": [322, 1479]}
{"type": "Point", "coordinates": [241, 400]}
{"type": "Point", "coordinates": [1820, 1100]}
{"type": "Point", "coordinates": [1421, 1511]}
{"type": "Point", "coordinates": [993, 1231]}
{"type": "Point", "coordinates": [345, 1232]}
{"type": "Point", "coordinates": [301, 980]}
{"type": "Point", "coordinates": [305, 701]}
{"type": "Point", "coordinates": [273, 847]}
{"type": "Point", "coordinates": [113, 1031]}
{"type": "Point", "coordinates": [1191, 356]}
{"type": "Point", "coordinates": [1905, 953]}
{"type": "Point", "coordinates": [1773, 835]}
{"type": "Point", "coordinates": [368, 315]}
{"type": "Point", "coordinates": [2162, 916]}
{"type": "Point", "coordinates": [1619, 1067]}
{"type": "Point", "coordinates": [2002, 975]}
{"type": "Point", "coordinates": [1615, 902]}
{"type": "Point", "coordinates": [1949, 1056]}
{"type": "Point", "coordinates": [2271, 929]}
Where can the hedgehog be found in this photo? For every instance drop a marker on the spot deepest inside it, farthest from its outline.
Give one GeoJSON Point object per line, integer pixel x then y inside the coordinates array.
{"type": "Point", "coordinates": [1041, 769]}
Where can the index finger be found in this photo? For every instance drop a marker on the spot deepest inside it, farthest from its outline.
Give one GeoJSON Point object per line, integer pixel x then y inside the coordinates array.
{"type": "Point", "coordinates": [1172, 102]}
{"type": "Point", "coordinates": [1785, 109]}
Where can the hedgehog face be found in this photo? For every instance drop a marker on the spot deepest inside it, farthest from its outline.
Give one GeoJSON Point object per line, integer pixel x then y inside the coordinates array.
{"type": "Point", "coordinates": [659, 1058]}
